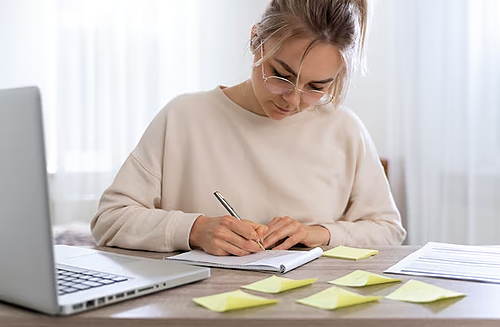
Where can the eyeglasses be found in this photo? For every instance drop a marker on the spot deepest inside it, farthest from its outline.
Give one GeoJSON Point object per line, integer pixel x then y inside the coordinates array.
{"type": "Point", "coordinates": [282, 86]}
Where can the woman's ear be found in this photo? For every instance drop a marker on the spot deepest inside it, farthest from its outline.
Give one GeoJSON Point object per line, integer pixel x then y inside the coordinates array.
{"type": "Point", "coordinates": [253, 39]}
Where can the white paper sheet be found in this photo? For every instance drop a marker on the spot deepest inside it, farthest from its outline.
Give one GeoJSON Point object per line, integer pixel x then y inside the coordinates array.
{"type": "Point", "coordinates": [276, 261]}
{"type": "Point", "coordinates": [465, 262]}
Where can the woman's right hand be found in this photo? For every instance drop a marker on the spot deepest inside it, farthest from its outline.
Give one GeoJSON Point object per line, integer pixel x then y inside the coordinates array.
{"type": "Point", "coordinates": [226, 235]}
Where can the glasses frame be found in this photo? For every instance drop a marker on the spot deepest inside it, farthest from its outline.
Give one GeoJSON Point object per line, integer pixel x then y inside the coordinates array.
{"type": "Point", "coordinates": [294, 88]}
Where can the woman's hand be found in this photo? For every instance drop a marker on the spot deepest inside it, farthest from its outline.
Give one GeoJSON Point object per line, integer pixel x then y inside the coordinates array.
{"type": "Point", "coordinates": [226, 235]}
{"type": "Point", "coordinates": [291, 232]}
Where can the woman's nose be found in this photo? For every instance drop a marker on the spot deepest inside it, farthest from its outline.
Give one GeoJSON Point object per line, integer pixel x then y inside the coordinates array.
{"type": "Point", "coordinates": [292, 97]}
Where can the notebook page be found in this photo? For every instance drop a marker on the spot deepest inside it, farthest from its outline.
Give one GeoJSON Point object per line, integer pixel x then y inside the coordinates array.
{"type": "Point", "coordinates": [269, 260]}
{"type": "Point", "coordinates": [291, 260]}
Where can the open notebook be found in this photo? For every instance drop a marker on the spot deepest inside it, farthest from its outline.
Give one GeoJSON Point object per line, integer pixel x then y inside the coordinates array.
{"type": "Point", "coordinates": [274, 261]}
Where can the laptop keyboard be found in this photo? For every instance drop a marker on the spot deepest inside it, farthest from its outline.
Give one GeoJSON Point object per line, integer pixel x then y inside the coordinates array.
{"type": "Point", "coordinates": [74, 281]}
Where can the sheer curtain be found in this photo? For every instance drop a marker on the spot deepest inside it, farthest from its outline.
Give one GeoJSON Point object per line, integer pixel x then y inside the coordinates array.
{"type": "Point", "coordinates": [445, 117]}
{"type": "Point", "coordinates": [118, 62]}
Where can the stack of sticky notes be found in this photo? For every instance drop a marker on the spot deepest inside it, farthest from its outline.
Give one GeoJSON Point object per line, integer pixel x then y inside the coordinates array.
{"type": "Point", "coordinates": [345, 252]}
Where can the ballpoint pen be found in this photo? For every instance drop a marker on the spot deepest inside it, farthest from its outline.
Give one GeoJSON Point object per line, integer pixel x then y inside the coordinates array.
{"type": "Point", "coordinates": [231, 211]}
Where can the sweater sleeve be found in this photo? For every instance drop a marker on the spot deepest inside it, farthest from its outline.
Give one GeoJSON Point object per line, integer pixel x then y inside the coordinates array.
{"type": "Point", "coordinates": [371, 216]}
{"type": "Point", "coordinates": [130, 214]}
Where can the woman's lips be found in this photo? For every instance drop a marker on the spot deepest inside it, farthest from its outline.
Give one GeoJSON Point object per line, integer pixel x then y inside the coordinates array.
{"type": "Point", "coordinates": [282, 109]}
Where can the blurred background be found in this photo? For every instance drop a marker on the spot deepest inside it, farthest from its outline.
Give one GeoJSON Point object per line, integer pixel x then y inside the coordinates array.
{"type": "Point", "coordinates": [430, 99]}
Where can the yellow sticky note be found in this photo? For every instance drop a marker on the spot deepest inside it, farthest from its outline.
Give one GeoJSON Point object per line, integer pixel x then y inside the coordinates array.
{"type": "Point", "coordinates": [345, 252]}
{"type": "Point", "coordinates": [232, 301]}
{"type": "Point", "coordinates": [275, 284]}
{"type": "Point", "coordinates": [360, 278]}
{"type": "Point", "coordinates": [336, 297]}
{"type": "Point", "coordinates": [420, 292]}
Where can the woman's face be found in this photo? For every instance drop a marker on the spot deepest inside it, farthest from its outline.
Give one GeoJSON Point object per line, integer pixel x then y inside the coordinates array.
{"type": "Point", "coordinates": [319, 69]}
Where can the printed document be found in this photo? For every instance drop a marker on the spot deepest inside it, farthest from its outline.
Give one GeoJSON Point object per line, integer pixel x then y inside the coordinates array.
{"type": "Point", "coordinates": [465, 262]}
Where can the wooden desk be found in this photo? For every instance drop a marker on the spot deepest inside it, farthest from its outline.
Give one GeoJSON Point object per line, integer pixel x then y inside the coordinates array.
{"type": "Point", "coordinates": [174, 307]}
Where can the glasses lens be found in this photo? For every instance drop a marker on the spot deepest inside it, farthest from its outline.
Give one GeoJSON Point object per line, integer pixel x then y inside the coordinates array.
{"type": "Point", "coordinates": [316, 97]}
{"type": "Point", "coordinates": [278, 85]}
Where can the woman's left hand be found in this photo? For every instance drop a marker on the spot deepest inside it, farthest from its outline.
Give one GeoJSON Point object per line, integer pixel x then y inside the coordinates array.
{"type": "Point", "coordinates": [292, 232]}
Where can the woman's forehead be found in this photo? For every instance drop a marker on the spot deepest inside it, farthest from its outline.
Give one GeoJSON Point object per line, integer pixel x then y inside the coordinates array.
{"type": "Point", "coordinates": [322, 61]}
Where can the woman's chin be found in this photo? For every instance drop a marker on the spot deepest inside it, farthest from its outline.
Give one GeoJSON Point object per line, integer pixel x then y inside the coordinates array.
{"type": "Point", "coordinates": [276, 113]}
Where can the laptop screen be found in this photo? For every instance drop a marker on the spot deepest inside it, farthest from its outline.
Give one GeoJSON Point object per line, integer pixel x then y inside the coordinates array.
{"type": "Point", "coordinates": [26, 253]}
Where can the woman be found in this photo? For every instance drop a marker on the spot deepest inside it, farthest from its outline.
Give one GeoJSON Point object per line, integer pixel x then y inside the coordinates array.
{"type": "Point", "coordinates": [299, 167]}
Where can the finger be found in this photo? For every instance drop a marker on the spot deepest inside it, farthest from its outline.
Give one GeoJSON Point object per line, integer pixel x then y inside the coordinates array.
{"type": "Point", "coordinates": [278, 223]}
{"type": "Point", "coordinates": [223, 235]}
{"type": "Point", "coordinates": [275, 238]}
{"type": "Point", "coordinates": [216, 251]}
{"type": "Point", "coordinates": [292, 240]}
{"type": "Point", "coordinates": [273, 226]}
{"type": "Point", "coordinates": [223, 246]}
{"type": "Point", "coordinates": [242, 228]}
{"type": "Point", "coordinates": [274, 222]}
{"type": "Point", "coordinates": [278, 229]}
{"type": "Point", "coordinates": [261, 231]}
{"type": "Point", "coordinates": [281, 233]}
{"type": "Point", "coordinates": [235, 250]}
{"type": "Point", "coordinates": [259, 228]}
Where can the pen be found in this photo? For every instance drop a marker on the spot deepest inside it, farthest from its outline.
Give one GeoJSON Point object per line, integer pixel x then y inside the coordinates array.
{"type": "Point", "coordinates": [231, 211]}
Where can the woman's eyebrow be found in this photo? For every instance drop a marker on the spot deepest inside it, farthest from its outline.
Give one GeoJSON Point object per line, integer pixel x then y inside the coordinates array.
{"type": "Point", "coordinates": [291, 71]}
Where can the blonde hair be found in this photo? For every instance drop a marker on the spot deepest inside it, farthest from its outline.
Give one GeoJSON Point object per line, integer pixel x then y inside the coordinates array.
{"type": "Point", "coordinates": [342, 23]}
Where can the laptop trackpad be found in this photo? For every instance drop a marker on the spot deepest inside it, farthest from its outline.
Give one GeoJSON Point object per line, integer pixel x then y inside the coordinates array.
{"type": "Point", "coordinates": [98, 261]}
{"type": "Point", "coordinates": [63, 252]}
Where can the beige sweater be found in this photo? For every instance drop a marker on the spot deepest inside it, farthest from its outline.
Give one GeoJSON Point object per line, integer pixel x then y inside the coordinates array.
{"type": "Point", "coordinates": [316, 167]}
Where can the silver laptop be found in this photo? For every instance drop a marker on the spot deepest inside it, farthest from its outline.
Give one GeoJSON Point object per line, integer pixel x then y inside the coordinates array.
{"type": "Point", "coordinates": [57, 280]}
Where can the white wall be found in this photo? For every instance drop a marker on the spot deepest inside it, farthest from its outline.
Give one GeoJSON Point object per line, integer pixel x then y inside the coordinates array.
{"type": "Point", "coordinates": [27, 48]}
{"type": "Point", "coordinates": [28, 57]}
{"type": "Point", "coordinates": [371, 99]}
{"type": "Point", "coordinates": [26, 24]}
{"type": "Point", "coordinates": [26, 52]}
{"type": "Point", "coordinates": [369, 94]}
{"type": "Point", "coordinates": [234, 30]}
